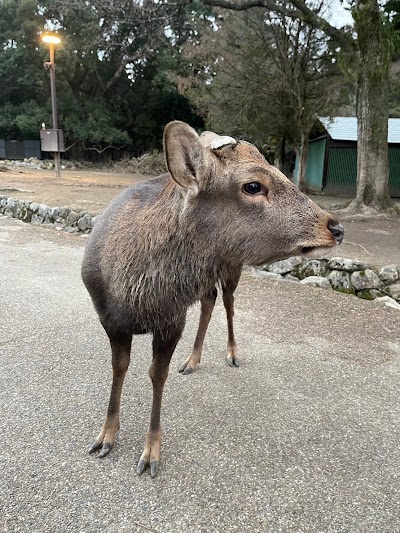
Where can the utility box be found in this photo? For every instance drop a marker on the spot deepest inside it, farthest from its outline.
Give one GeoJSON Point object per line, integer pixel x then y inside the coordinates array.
{"type": "Point", "coordinates": [52, 141]}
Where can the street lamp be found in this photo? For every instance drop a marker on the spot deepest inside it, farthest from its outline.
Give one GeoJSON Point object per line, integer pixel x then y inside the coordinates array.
{"type": "Point", "coordinates": [52, 39]}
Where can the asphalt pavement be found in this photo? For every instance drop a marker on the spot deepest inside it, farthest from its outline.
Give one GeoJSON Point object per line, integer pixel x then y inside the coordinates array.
{"type": "Point", "coordinates": [303, 437]}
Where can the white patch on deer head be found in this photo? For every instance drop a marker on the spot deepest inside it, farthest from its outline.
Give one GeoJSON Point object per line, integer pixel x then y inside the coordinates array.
{"type": "Point", "coordinates": [213, 141]}
{"type": "Point", "coordinates": [222, 142]}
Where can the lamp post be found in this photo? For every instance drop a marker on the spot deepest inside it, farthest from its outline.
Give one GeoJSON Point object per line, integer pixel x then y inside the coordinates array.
{"type": "Point", "coordinates": [51, 39]}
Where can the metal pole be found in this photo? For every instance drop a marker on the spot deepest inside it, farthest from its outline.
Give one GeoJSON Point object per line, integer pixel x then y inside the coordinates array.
{"type": "Point", "coordinates": [57, 159]}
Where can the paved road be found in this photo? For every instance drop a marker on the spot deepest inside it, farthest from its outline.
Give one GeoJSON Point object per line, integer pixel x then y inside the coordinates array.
{"type": "Point", "coordinates": [303, 437]}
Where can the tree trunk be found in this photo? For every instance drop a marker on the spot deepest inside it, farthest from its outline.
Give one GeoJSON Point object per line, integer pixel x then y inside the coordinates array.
{"type": "Point", "coordinates": [372, 147]}
{"type": "Point", "coordinates": [280, 157]}
{"type": "Point", "coordinates": [372, 110]}
{"type": "Point", "coordinates": [301, 169]}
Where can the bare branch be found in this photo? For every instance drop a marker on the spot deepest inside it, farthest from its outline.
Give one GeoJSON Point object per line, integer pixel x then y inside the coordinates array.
{"type": "Point", "coordinates": [302, 11]}
{"type": "Point", "coordinates": [242, 5]}
{"type": "Point", "coordinates": [7, 90]}
{"type": "Point", "coordinates": [100, 150]}
{"type": "Point", "coordinates": [69, 147]}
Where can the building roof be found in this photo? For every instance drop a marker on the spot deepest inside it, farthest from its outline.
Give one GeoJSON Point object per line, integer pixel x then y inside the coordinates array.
{"type": "Point", "coordinates": [345, 128]}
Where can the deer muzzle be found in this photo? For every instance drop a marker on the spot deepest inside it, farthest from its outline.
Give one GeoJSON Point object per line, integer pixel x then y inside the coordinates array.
{"type": "Point", "coordinates": [337, 231]}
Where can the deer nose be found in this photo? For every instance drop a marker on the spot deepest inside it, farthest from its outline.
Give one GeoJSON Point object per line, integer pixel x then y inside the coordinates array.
{"type": "Point", "coordinates": [337, 231]}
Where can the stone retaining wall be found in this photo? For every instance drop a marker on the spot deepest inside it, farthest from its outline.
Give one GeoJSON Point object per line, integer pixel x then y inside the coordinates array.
{"type": "Point", "coordinates": [343, 275]}
{"type": "Point", "coordinates": [61, 218]}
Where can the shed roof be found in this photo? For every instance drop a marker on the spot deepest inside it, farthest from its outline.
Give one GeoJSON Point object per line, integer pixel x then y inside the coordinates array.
{"type": "Point", "coordinates": [345, 128]}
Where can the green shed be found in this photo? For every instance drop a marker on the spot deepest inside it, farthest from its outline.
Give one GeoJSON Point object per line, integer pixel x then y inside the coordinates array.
{"type": "Point", "coordinates": [332, 157]}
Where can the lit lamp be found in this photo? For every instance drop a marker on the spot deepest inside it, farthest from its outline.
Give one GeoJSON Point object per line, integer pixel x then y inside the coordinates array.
{"type": "Point", "coordinates": [51, 38]}
{"type": "Point", "coordinates": [52, 140]}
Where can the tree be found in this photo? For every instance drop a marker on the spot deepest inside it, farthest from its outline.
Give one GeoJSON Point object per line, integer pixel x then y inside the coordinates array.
{"type": "Point", "coordinates": [272, 76]}
{"type": "Point", "coordinates": [374, 58]}
{"type": "Point", "coordinates": [392, 9]}
{"type": "Point", "coordinates": [112, 70]}
{"type": "Point", "coordinates": [21, 70]}
{"type": "Point", "coordinates": [117, 56]}
{"type": "Point", "coordinates": [371, 50]}
{"type": "Point", "coordinates": [107, 47]}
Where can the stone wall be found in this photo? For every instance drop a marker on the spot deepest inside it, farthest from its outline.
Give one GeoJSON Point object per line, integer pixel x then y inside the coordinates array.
{"type": "Point", "coordinates": [349, 276]}
{"type": "Point", "coordinates": [344, 275]}
{"type": "Point", "coordinates": [61, 218]}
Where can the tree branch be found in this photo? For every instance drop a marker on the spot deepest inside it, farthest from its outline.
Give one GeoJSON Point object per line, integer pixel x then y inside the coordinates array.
{"type": "Point", "coordinates": [242, 5]}
{"type": "Point", "coordinates": [69, 147]}
{"type": "Point", "coordinates": [100, 150]}
{"type": "Point", "coordinates": [302, 11]}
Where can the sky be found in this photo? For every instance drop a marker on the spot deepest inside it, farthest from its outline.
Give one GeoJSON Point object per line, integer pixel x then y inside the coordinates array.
{"type": "Point", "coordinates": [339, 16]}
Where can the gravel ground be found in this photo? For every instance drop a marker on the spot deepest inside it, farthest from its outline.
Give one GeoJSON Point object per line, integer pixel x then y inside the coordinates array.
{"type": "Point", "coordinates": [303, 437]}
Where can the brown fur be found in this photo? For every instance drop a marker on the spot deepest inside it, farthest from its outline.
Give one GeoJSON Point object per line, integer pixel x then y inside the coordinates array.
{"type": "Point", "coordinates": [164, 244]}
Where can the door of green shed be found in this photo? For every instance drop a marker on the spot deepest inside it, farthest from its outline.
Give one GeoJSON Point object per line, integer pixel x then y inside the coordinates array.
{"type": "Point", "coordinates": [315, 165]}
{"type": "Point", "coordinates": [341, 177]}
{"type": "Point", "coordinates": [394, 175]}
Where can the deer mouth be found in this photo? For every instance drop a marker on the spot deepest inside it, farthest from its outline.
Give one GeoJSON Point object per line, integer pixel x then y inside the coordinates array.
{"type": "Point", "coordinates": [336, 234]}
{"type": "Point", "coordinates": [315, 250]}
{"type": "Point", "coordinates": [307, 249]}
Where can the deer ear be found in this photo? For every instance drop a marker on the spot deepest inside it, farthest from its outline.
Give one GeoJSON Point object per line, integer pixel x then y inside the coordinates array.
{"type": "Point", "coordinates": [184, 155]}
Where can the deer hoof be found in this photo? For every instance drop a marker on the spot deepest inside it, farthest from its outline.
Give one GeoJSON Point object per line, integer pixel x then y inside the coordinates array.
{"type": "Point", "coordinates": [95, 446]}
{"type": "Point", "coordinates": [143, 464]}
{"type": "Point", "coordinates": [141, 467]}
{"type": "Point", "coordinates": [151, 453]}
{"type": "Point", "coordinates": [233, 362]}
{"type": "Point", "coordinates": [186, 371]}
{"type": "Point", "coordinates": [105, 449]}
{"type": "Point", "coordinates": [153, 468]}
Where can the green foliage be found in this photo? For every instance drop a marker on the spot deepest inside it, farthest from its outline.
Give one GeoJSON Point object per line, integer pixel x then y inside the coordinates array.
{"type": "Point", "coordinates": [394, 97]}
{"type": "Point", "coordinates": [29, 115]}
{"type": "Point", "coordinates": [21, 71]}
{"type": "Point", "coordinates": [392, 8]}
{"type": "Point", "coordinates": [93, 123]}
{"type": "Point", "coordinates": [112, 70]}
{"type": "Point", "coordinates": [155, 101]}
{"type": "Point", "coordinates": [22, 102]}
{"type": "Point", "coordinates": [376, 38]}
{"type": "Point", "coordinates": [22, 121]}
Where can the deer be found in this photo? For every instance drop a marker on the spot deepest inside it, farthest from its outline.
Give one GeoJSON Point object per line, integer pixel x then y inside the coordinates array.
{"type": "Point", "coordinates": [164, 244]}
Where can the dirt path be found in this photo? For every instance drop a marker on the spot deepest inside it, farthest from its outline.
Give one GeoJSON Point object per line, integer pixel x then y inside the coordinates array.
{"type": "Point", "coordinates": [77, 189]}
{"type": "Point", "coordinates": [374, 240]}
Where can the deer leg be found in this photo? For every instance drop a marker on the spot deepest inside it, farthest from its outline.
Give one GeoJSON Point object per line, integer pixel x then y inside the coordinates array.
{"type": "Point", "coordinates": [207, 306]}
{"type": "Point", "coordinates": [163, 348]}
{"type": "Point", "coordinates": [121, 348]}
{"type": "Point", "coordinates": [228, 290]}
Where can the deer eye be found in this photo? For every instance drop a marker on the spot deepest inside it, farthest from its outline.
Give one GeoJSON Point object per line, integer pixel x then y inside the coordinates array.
{"type": "Point", "coordinates": [252, 188]}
